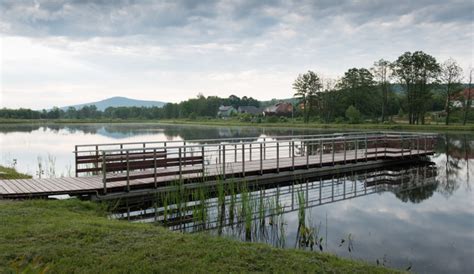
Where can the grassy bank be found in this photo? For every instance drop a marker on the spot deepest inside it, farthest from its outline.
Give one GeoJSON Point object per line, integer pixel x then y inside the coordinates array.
{"type": "Point", "coordinates": [235, 122]}
{"type": "Point", "coordinates": [296, 124]}
{"type": "Point", "coordinates": [75, 236]}
{"type": "Point", "coordinates": [11, 173]}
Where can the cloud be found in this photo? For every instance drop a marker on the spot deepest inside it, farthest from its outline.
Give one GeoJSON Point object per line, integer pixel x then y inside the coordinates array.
{"type": "Point", "coordinates": [115, 44]}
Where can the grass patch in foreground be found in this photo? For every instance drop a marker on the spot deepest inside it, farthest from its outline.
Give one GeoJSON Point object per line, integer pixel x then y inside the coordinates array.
{"type": "Point", "coordinates": [11, 173]}
{"type": "Point", "coordinates": [75, 236]}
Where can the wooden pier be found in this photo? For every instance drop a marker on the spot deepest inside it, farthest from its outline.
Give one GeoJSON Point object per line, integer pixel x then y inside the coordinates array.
{"type": "Point", "coordinates": [124, 168]}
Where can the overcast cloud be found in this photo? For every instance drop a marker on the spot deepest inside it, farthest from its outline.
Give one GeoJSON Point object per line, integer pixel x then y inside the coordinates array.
{"type": "Point", "coordinates": [67, 52]}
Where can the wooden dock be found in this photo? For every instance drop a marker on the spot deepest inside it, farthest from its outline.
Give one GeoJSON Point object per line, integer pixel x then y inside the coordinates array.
{"type": "Point", "coordinates": [124, 168]}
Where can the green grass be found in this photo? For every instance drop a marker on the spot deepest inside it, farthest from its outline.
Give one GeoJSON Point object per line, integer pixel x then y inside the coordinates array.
{"type": "Point", "coordinates": [299, 124]}
{"type": "Point", "coordinates": [74, 236]}
{"type": "Point", "coordinates": [11, 173]}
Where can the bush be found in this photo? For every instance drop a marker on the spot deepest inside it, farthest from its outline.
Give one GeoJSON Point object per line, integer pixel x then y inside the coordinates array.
{"type": "Point", "coordinates": [283, 119]}
{"type": "Point", "coordinates": [272, 119]}
{"type": "Point", "coordinates": [353, 115]}
{"type": "Point", "coordinates": [339, 120]}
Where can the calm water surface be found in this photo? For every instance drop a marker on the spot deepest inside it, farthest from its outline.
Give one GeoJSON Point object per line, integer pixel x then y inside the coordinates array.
{"type": "Point", "coordinates": [417, 217]}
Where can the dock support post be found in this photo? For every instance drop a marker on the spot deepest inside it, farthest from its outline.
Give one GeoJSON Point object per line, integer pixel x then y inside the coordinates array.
{"type": "Point", "coordinates": [128, 172]}
{"type": "Point", "coordinates": [104, 173]}
{"type": "Point", "coordinates": [261, 160]}
{"type": "Point", "coordinates": [243, 160]}
{"type": "Point", "coordinates": [278, 157]}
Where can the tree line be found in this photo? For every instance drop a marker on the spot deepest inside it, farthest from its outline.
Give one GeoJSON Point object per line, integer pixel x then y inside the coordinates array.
{"type": "Point", "coordinates": [425, 84]}
{"type": "Point", "coordinates": [410, 86]}
{"type": "Point", "coordinates": [200, 106]}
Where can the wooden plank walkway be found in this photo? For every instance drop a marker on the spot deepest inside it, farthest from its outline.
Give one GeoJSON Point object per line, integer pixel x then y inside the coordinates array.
{"type": "Point", "coordinates": [93, 185]}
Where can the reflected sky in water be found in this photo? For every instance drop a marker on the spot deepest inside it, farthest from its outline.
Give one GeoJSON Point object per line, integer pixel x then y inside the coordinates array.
{"type": "Point", "coordinates": [431, 231]}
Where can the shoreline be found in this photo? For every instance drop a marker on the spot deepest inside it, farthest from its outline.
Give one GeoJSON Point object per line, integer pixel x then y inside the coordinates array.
{"type": "Point", "coordinates": [235, 123]}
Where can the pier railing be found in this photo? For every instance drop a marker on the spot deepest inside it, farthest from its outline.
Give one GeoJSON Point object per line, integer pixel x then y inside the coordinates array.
{"type": "Point", "coordinates": [150, 162]}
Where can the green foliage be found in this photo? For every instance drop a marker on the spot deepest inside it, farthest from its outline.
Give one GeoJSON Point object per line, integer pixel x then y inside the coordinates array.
{"type": "Point", "coordinates": [353, 115]}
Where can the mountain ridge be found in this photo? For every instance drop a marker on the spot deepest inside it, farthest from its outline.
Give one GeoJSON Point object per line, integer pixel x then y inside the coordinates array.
{"type": "Point", "coordinates": [118, 101]}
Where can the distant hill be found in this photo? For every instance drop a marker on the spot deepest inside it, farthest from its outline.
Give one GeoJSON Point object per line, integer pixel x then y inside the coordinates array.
{"type": "Point", "coordinates": [119, 102]}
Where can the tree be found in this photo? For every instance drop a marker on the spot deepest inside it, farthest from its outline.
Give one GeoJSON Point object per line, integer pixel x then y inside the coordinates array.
{"type": "Point", "coordinates": [451, 77]}
{"type": "Point", "coordinates": [353, 114]}
{"type": "Point", "coordinates": [468, 99]}
{"type": "Point", "coordinates": [381, 71]}
{"type": "Point", "coordinates": [306, 87]}
{"type": "Point", "coordinates": [358, 86]}
{"type": "Point", "coordinates": [416, 71]}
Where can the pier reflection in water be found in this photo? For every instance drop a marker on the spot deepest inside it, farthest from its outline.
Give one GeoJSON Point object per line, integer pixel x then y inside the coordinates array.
{"type": "Point", "coordinates": [278, 215]}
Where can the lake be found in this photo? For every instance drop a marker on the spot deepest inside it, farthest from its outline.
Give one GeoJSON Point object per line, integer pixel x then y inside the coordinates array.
{"type": "Point", "coordinates": [409, 217]}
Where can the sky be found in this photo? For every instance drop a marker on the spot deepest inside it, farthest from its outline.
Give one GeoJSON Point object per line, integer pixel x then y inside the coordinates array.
{"type": "Point", "coordinates": [58, 53]}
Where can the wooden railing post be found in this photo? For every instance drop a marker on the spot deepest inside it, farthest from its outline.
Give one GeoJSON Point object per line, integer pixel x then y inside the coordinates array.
{"type": "Point", "coordinates": [365, 139]}
{"type": "Point", "coordinates": [401, 144]}
{"type": "Point", "coordinates": [243, 159]}
{"type": "Point", "coordinates": [345, 152]}
{"type": "Point", "coordinates": [104, 173]}
{"type": "Point", "coordinates": [376, 144]}
{"type": "Point", "coordinates": [154, 168]}
{"type": "Point", "coordinates": [356, 147]}
{"type": "Point", "coordinates": [180, 164]}
{"type": "Point", "coordinates": [264, 148]}
{"type": "Point", "coordinates": [203, 161]}
{"type": "Point", "coordinates": [307, 155]}
{"type": "Point", "coordinates": [128, 172]}
{"type": "Point", "coordinates": [333, 148]}
{"type": "Point", "coordinates": [293, 155]}
{"type": "Point", "coordinates": [223, 162]}
{"type": "Point", "coordinates": [250, 152]}
{"type": "Point", "coordinates": [75, 153]}
{"type": "Point", "coordinates": [278, 157]}
{"type": "Point", "coordinates": [261, 159]}
{"type": "Point", "coordinates": [321, 152]}
{"type": "Point", "coordinates": [219, 152]}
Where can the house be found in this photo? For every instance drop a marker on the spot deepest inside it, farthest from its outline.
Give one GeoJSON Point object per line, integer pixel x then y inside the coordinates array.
{"type": "Point", "coordinates": [462, 97]}
{"type": "Point", "coordinates": [226, 111]}
{"type": "Point", "coordinates": [279, 109]}
{"type": "Point", "coordinates": [250, 110]}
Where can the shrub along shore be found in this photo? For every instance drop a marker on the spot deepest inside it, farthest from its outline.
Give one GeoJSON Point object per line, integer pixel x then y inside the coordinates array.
{"type": "Point", "coordinates": [64, 236]}
{"type": "Point", "coordinates": [235, 122]}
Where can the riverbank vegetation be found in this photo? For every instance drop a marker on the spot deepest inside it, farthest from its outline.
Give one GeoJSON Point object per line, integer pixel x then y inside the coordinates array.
{"type": "Point", "coordinates": [11, 173]}
{"type": "Point", "coordinates": [68, 236]}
